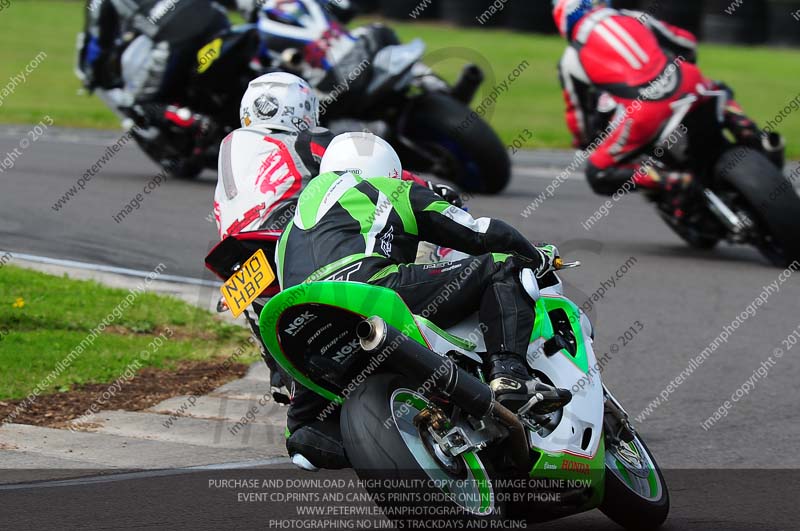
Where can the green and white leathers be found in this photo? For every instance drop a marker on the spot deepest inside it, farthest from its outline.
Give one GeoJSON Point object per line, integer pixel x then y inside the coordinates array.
{"type": "Point", "coordinates": [346, 227]}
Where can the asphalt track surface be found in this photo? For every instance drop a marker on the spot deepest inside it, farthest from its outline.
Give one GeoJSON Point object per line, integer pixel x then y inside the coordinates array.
{"type": "Point", "coordinates": [736, 474]}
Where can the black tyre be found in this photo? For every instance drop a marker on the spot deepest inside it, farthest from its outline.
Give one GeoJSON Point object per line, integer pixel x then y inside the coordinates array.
{"type": "Point", "coordinates": [468, 151]}
{"type": "Point", "coordinates": [176, 168]}
{"type": "Point", "coordinates": [183, 169]}
{"type": "Point", "coordinates": [636, 494]}
{"type": "Point", "coordinates": [769, 199]}
{"type": "Point", "coordinates": [390, 453]}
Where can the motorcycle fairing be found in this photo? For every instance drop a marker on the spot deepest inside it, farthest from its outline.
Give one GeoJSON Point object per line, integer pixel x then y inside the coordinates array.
{"type": "Point", "coordinates": [575, 447]}
{"type": "Point", "coordinates": [310, 331]}
{"type": "Point", "coordinates": [307, 24]}
{"type": "Point", "coordinates": [323, 355]}
{"type": "Point", "coordinates": [393, 64]}
{"type": "Point", "coordinates": [324, 315]}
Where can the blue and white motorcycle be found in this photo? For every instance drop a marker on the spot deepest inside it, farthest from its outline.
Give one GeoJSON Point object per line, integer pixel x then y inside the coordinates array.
{"type": "Point", "coordinates": [367, 79]}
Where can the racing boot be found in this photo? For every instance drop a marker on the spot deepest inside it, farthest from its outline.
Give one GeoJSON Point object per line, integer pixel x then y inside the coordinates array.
{"type": "Point", "coordinates": [668, 188]}
{"type": "Point", "coordinates": [517, 390]}
{"type": "Point", "coordinates": [651, 179]}
{"type": "Point", "coordinates": [317, 445]}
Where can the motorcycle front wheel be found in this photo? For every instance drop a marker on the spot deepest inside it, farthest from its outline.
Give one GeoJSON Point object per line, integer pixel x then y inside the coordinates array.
{"type": "Point", "coordinates": [636, 495]}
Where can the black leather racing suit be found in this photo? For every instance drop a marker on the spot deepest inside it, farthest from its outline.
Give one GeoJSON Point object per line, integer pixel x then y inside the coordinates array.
{"type": "Point", "coordinates": [176, 29]}
{"type": "Point", "coordinates": [403, 214]}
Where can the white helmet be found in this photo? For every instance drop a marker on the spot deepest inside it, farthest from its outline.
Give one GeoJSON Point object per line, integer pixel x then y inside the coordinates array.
{"type": "Point", "coordinates": [279, 101]}
{"type": "Point", "coordinates": [362, 154]}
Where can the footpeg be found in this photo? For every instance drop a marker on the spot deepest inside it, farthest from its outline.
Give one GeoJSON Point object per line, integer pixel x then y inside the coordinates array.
{"type": "Point", "coordinates": [544, 399]}
{"type": "Point", "coordinates": [535, 399]}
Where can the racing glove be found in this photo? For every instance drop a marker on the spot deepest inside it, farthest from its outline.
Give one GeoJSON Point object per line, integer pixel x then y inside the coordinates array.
{"type": "Point", "coordinates": [549, 254]}
{"type": "Point", "coordinates": [544, 264]}
{"type": "Point", "coordinates": [448, 193]}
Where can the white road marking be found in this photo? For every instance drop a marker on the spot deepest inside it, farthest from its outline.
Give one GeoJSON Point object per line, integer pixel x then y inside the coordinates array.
{"type": "Point", "coordinates": [60, 137]}
{"type": "Point", "coordinates": [112, 269]}
{"type": "Point", "coordinates": [144, 474]}
{"type": "Point", "coordinates": [547, 174]}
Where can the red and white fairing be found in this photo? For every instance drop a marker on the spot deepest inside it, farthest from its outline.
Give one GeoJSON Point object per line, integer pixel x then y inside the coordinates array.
{"type": "Point", "coordinates": [257, 173]}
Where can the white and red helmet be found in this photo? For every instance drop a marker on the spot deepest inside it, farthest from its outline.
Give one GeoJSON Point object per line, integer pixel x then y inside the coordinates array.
{"type": "Point", "coordinates": [567, 13]}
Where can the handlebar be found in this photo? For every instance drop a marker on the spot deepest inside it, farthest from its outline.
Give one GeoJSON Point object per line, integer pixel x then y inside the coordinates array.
{"type": "Point", "coordinates": [559, 264]}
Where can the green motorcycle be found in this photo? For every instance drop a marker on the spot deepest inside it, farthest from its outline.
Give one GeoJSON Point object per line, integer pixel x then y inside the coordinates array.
{"type": "Point", "coordinates": [415, 406]}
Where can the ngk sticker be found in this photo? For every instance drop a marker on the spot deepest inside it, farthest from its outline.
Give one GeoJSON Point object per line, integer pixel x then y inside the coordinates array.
{"type": "Point", "coordinates": [300, 322]}
{"type": "Point", "coordinates": [345, 351]}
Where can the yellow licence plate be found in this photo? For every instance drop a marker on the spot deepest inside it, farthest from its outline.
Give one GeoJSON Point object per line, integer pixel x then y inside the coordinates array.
{"type": "Point", "coordinates": [247, 283]}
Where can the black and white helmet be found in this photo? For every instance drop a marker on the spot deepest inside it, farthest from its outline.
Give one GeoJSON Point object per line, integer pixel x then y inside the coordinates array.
{"type": "Point", "coordinates": [279, 100]}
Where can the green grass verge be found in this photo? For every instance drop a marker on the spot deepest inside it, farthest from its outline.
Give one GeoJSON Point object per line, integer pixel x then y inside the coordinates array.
{"type": "Point", "coordinates": [58, 313]}
{"type": "Point", "coordinates": [764, 78]}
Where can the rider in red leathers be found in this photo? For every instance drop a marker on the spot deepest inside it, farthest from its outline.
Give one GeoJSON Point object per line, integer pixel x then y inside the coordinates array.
{"type": "Point", "coordinates": [637, 67]}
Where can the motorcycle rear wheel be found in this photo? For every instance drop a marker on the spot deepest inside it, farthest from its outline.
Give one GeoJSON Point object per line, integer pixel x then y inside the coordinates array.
{"type": "Point", "coordinates": [386, 449]}
{"type": "Point", "coordinates": [772, 200]}
{"type": "Point", "coordinates": [469, 152]}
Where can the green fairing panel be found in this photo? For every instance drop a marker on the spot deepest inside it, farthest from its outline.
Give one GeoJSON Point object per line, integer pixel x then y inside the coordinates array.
{"type": "Point", "coordinates": [363, 299]}
{"type": "Point", "coordinates": [581, 471]}
{"type": "Point", "coordinates": [563, 466]}
{"type": "Point", "coordinates": [543, 326]}
{"type": "Point", "coordinates": [447, 336]}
